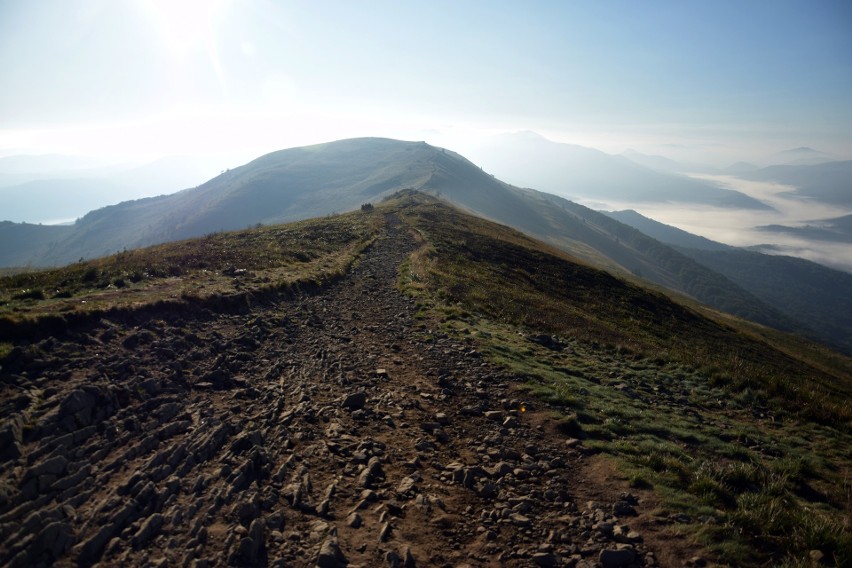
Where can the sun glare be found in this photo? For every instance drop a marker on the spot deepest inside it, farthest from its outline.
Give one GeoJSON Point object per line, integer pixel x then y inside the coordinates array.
{"type": "Point", "coordinates": [187, 26]}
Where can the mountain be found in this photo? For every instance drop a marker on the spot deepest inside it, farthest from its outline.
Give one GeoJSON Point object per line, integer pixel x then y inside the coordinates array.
{"type": "Point", "coordinates": [529, 160]}
{"type": "Point", "coordinates": [739, 168]}
{"type": "Point", "coordinates": [57, 200]}
{"type": "Point", "coordinates": [829, 182]}
{"type": "Point", "coordinates": [654, 162]}
{"type": "Point", "coordinates": [803, 156]}
{"type": "Point", "coordinates": [665, 233]}
{"type": "Point", "coordinates": [803, 290]}
{"type": "Point", "coordinates": [837, 229]}
{"type": "Point", "coordinates": [406, 384]}
{"type": "Point", "coordinates": [319, 180]}
{"type": "Point", "coordinates": [21, 243]}
{"type": "Point", "coordinates": [67, 188]}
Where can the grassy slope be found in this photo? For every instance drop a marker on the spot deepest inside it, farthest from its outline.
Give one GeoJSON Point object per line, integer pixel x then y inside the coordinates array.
{"type": "Point", "coordinates": [746, 439]}
{"type": "Point", "coordinates": [208, 269]}
{"type": "Point", "coordinates": [802, 289]}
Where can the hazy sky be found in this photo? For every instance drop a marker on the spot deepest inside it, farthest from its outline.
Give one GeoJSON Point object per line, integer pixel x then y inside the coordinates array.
{"type": "Point", "coordinates": [733, 79]}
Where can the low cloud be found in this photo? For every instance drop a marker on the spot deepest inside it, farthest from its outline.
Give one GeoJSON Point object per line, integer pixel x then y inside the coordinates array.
{"type": "Point", "coordinates": [740, 227]}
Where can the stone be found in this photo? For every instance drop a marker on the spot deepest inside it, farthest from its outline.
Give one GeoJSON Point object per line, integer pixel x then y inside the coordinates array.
{"type": "Point", "coordinates": [56, 538]}
{"type": "Point", "coordinates": [90, 550]}
{"type": "Point", "coordinates": [499, 470]}
{"type": "Point", "coordinates": [623, 508]}
{"type": "Point", "coordinates": [355, 401]}
{"type": "Point", "coordinates": [545, 559]}
{"type": "Point", "coordinates": [408, 558]}
{"type": "Point", "coordinates": [407, 484]}
{"type": "Point", "coordinates": [616, 558]}
{"type": "Point", "coordinates": [330, 555]}
{"type": "Point", "coordinates": [148, 529]}
{"type": "Point", "coordinates": [51, 466]}
{"type": "Point", "coordinates": [354, 520]}
{"type": "Point", "coordinates": [393, 559]}
{"type": "Point", "coordinates": [78, 403]}
{"type": "Point", "coordinates": [371, 473]}
{"type": "Point", "coordinates": [510, 422]}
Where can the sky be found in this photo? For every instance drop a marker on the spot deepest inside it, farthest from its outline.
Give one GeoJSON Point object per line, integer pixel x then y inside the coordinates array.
{"type": "Point", "coordinates": [717, 81]}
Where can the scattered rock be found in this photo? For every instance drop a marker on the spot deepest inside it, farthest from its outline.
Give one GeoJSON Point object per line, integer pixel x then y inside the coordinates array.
{"type": "Point", "coordinates": [240, 432]}
{"type": "Point", "coordinates": [617, 558]}
{"type": "Point", "coordinates": [355, 401]}
{"type": "Point", "coordinates": [330, 555]}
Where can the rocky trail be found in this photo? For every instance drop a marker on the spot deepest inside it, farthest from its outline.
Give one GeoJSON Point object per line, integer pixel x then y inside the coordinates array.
{"type": "Point", "coordinates": [331, 429]}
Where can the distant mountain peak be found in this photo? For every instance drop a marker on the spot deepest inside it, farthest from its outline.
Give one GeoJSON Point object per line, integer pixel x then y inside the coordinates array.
{"type": "Point", "coordinates": [802, 149]}
{"type": "Point", "coordinates": [801, 156]}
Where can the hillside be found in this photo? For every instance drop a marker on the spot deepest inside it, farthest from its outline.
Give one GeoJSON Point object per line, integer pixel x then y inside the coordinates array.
{"type": "Point", "coordinates": [804, 291]}
{"type": "Point", "coordinates": [572, 171]}
{"type": "Point", "coordinates": [837, 229]}
{"type": "Point", "coordinates": [825, 182]}
{"type": "Point", "coordinates": [665, 233]}
{"type": "Point", "coordinates": [318, 180]}
{"type": "Point", "coordinates": [271, 397]}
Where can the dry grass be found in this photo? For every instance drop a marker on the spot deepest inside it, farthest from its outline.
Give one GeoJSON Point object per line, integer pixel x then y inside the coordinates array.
{"type": "Point", "coordinates": [724, 419]}
{"type": "Point", "coordinates": [219, 265]}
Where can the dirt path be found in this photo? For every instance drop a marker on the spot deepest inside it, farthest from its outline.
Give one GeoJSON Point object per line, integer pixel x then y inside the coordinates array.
{"type": "Point", "coordinates": [329, 429]}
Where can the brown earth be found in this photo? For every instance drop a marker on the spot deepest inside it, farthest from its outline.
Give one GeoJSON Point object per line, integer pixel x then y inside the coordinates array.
{"type": "Point", "coordinates": [329, 429]}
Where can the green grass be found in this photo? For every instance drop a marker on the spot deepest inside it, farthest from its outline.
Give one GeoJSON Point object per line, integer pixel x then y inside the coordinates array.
{"type": "Point", "coordinates": [723, 419]}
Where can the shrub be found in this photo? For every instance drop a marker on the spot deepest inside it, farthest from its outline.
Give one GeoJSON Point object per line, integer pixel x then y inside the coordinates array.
{"type": "Point", "coordinates": [34, 294]}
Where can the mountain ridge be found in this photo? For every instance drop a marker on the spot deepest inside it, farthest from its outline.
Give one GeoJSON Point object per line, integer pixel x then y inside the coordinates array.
{"type": "Point", "coordinates": [805, 291]}
{"type": "Point", "coordinates": [443, 368]}
{"type": "Point", "coordinates": [338, 176]}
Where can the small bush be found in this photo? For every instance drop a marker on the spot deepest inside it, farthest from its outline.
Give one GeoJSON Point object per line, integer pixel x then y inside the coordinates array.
{"type": "Point", "coordinates": [569, 426]}
{"type": "Point", "coordinates": [34, 294]}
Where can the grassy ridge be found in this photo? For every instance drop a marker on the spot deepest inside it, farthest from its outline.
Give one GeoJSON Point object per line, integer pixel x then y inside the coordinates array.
{"type": "Point", "coordinates": [215, 266]}
{"type": "Point", "coordinates": [748, 442]}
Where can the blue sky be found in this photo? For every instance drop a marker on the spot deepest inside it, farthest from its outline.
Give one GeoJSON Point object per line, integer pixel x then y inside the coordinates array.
{"type": "Point", "coordinates": [731, 79]}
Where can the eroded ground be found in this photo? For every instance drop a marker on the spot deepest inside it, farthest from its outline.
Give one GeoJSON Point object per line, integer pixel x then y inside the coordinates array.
{"type": "Point", "coordinates": [325, 429]}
